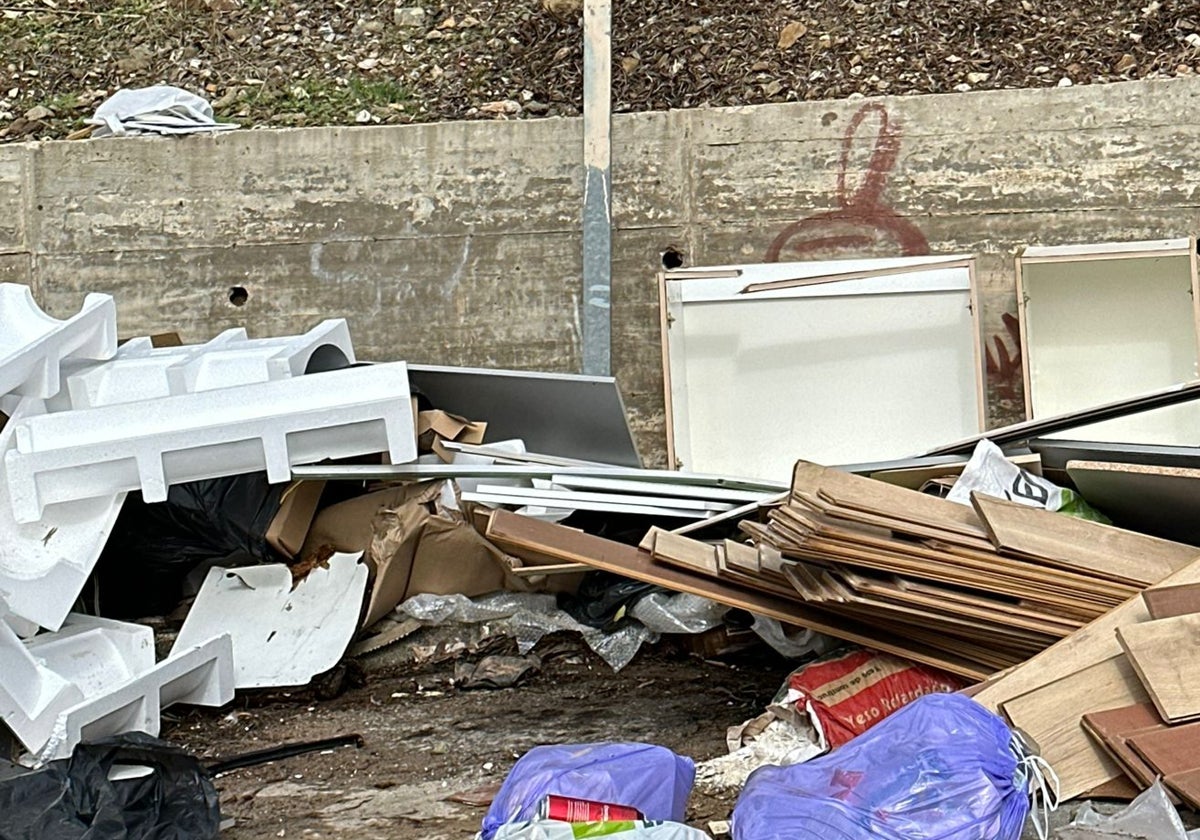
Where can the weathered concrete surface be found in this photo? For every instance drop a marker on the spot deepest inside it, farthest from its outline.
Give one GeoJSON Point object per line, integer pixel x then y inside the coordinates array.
{"type": "Point", "coordinates": [460, 242]}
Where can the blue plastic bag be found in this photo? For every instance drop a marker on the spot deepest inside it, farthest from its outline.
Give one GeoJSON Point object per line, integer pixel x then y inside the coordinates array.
{"type": "Point", "coordinates": [941, 768]}
{"type": "Point", "coordinates": [652, 779]}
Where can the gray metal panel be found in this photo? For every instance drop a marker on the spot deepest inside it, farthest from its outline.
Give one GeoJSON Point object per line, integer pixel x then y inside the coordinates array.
{"type": "Point", "coordinates": [555, 414]}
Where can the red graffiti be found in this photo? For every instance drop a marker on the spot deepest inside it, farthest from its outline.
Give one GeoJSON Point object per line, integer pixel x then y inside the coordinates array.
{"type": "Point", "coordinates": [863, 219]}
{"type": "Point", "coordinates": [1004, 366]}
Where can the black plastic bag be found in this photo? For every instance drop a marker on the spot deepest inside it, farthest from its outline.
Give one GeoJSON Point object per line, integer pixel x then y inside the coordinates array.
{"type": "Point", "coordinates": [603, 600]}
{"type": "Point", "coordinates": [73, 799]}
{"type": "Point", "coordinates": [157, 545]}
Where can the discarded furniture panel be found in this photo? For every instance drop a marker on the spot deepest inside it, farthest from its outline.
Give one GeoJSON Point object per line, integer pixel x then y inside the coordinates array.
{"type": "Point", "coordinates": [1159, 500]}
{"type": "Point", "coordinates": [269, 426]}
{"type": "Point", "coordinates": [281, 636]}
{"type": "Point", "coordinates": [561, 414]}
{"type": "Point", "coordinates": [1107, 321]}
{"type": "Point", "coordinates": [843, 361]}
{"type": "Point", "coordinates": [33, 345]}
{"type": "Point", "coordinates": [1036, 430]}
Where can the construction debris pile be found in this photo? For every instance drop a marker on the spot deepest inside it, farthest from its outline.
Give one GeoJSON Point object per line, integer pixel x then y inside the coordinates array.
{"type": "Point", "coordinates": [281, 506]}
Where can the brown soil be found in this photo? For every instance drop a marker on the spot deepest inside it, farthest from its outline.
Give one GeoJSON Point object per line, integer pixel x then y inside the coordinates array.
{"type": "Point", "coordinates": [272, 62]}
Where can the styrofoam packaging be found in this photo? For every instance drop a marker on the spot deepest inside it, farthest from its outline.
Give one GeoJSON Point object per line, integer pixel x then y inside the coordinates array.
{"type": "Point", "coordinates": [33, 345]}
{"type": "Point", "coordinates": [99, 452]}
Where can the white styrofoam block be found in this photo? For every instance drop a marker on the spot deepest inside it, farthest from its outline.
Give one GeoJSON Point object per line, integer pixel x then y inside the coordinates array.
{"type": "Point", "coordinates": [281, 636]}
{"type": "Point", "coordinates": [269, 426]}
{"type": "Point", "coordinates": [200, 675]}
{"type": "Point", "coordinates": [140, 371]}
{"type": "Point", "coordinates": [33, 345]}
{"type": "Point", "coordinates": [31, 695]}
{"type": "Point", "coordinates": [44, 564]}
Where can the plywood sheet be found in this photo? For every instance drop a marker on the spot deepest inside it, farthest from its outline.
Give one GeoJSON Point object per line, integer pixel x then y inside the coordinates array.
{"type": "Point", "coordinates": [1047, 715]}
{"type": "Point", "coordinates": [1165, 654]}
{"type": "Point", "coordinates": [1080, 544]}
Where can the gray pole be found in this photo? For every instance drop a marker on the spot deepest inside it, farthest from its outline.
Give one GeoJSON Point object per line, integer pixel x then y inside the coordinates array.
{"type": "Point", "coordinates": [597, 190]}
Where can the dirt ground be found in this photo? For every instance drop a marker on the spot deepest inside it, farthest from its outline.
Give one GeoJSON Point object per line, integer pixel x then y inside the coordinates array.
{"type": "Point", "coordinates": [424, 740]}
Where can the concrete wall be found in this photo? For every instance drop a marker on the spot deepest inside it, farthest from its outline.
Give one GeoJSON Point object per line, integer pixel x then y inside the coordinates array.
{"type": "Point", "coordinates": [459, 243]}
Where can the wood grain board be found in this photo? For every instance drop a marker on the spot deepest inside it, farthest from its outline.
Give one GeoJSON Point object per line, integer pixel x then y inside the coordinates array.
{"type": "Point", "coordinates": [1170, 750]}
{"type": "Point", "coordinates": [1100, 549]}
{"type": "Point", "coordinates": [1166, 656]}
{"type": "Point", "coordinates": [1044, 714]}
{"type": "Point", "coordinates": [530, 538]}
{"type": "Point", "coordinates": [1112, 727]}
{"type": "Point", "coordinates": [1170, 601]}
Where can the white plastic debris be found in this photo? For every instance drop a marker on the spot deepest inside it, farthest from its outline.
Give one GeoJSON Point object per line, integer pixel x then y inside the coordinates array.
{"type": "Point", "coordinates": [281, 636]}
{"type": "Point", "coordinates": [99, 452]}
{"type": "Point", "coordinates": [97, 677]}
{"type": "Point", "coordinates": [44, 564]}
{"type": "Point", "coordinates": [160, 109]}
{"type": "Point", "coordinates": [1149, 817]}
{"type": "Point", "coordinates": [992, 474]}
{"type": "Point", "coordinates": [33, 345]}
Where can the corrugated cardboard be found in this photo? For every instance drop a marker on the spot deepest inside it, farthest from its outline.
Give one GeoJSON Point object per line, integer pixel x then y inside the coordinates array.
{"type": "Point", "coordinates": [297, 507]}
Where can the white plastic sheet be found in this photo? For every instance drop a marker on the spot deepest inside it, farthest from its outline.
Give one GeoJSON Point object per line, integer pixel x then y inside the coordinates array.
{"type": "Point", "coordinates": [161, 109]}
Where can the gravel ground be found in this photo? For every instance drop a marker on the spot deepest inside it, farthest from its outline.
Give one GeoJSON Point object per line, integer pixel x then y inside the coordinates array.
{"type": "Point", "coordinates": [270, 62]}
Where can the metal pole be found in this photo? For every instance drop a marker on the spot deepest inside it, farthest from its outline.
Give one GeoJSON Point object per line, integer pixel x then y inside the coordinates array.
{"type": "Point", "coordinates": [597, 189]}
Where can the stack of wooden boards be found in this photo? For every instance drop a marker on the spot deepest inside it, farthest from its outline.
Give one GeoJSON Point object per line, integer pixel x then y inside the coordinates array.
{"type": "Point", "coordinates": [992, 585]}
{"type": "Point", "coordinates": [972, 591]}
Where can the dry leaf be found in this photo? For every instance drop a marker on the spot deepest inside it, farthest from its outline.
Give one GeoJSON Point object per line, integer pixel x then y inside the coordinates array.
{"type": "Point", "coordinates": [791, 34]}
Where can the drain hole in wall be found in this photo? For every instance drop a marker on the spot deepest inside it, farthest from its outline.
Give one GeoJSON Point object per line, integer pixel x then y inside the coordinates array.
{"type": "Point", "coordinates": [672, 258]}
{"type": "Point", "coordinates": [238, 296]}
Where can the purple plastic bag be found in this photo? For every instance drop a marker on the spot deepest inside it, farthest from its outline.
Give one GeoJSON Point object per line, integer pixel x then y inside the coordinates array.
{"type": "Point", "coordinates": [941, 768]}
{"type": "Point", "coordinates": [652, 779]}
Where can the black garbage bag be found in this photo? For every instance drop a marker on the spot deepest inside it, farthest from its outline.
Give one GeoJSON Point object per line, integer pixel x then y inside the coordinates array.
{"type": "Point", "coordinates": [157, 545]}
{"type": "Point", "coordinates": [74, 799]}
{"type": "Point", "coordinates": [603, 599]}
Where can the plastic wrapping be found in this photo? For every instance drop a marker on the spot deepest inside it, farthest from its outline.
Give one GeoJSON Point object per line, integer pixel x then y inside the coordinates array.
{"type": "Point", "coordinates": [663, 612]}
{"type": "Point", "coordinates": [992, 474]}
{"type": "Point", "coordinates": [942, 767]}
{"type": "Point", "coordinates": [802, 642]}
{"type": "Point", "coordinates": [160, 109]}
{"type": "Point", "coordinates": [604, 599]}
{"type": "Point", "coordinates": [527, 617]}
{"type": "Point", "coordinates": [79, 798]}
{"type": "Point", "coordinates": [159, 544]}
{"type": "Point", "coordinates": [650, 778]}
{"type": "Point", "coordinates": [640, 830]}
{"type": "Point", "coordinates": [1149, 817]}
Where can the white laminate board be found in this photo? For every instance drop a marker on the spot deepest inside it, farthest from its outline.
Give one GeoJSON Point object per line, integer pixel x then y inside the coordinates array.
{"type": "Point", "coordinates": [883, 370]}
{"type": "Point", "coordinates": [1100, 330]}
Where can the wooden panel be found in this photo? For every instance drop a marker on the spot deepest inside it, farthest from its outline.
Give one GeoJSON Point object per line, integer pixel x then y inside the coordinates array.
{"type": "Point", "coordinates": [1047, 716]}
{"type": "Point", "coordinates": [1169, 751]}
{"type": "Point", "coordinates": [877, 497]}
{"type": "Point", "coordinates": [529, 538]}
{"type": "Point", "coordinates": [1164, 653]}
{"type": "Point", "coordinates": [1159, 500]}
{"type": "Point", "coordinates": [1170, 601]}
{"type": "Point", "coordinates": [1094, 644]}
{"type": "Point", "coordinates": [1111, 728]}
{"type": "Point", "coordinates": [1078, 543]}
